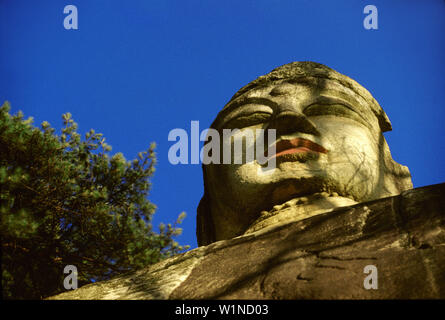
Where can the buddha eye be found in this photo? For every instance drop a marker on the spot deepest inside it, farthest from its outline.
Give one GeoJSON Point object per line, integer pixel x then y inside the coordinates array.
{"type": "Point", "coordinates": [247, 120]}
{"type": "Point", "coordinates": [338, 110]}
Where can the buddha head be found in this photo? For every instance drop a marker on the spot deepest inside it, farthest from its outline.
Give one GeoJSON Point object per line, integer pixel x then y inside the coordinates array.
{"type": "Point", "coordinates": [329, 152]}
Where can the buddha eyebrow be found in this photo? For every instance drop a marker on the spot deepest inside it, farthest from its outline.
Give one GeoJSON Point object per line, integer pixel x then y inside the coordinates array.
{"type": "Point", "coordinates": [250, 100]}
{"type": "Point", "coordinates": [331, 100]}
{"type": "Point", "coordinates": [240, 103]}
{"type": "Point", "coordinates": [327, 101]}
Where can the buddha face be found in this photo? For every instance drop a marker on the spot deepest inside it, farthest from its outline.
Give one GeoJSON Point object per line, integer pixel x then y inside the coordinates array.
{"type": "Point", "coordinates": [328, 140]}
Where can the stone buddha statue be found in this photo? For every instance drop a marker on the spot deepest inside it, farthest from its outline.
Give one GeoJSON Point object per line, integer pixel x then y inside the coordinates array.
{"type": "Point", "coordinates": [330, 152]}
{"type": "Point", "coordinates": [305, 228]}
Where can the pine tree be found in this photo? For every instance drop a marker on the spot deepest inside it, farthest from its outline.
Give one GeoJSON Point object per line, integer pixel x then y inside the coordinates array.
{"type": "Point", "coordinates": [65, 200]}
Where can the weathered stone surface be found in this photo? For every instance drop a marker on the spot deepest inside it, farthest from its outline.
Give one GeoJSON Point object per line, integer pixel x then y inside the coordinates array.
{"type": "Point", "coordinates": [320, 257]}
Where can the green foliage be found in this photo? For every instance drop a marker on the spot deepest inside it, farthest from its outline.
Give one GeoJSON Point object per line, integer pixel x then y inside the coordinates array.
{"type": "Point", "coordinates": [66, 201]}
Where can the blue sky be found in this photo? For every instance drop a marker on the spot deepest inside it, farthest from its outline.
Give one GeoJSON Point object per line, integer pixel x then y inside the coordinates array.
{"type": "Point", "coordinates": [134, 70]}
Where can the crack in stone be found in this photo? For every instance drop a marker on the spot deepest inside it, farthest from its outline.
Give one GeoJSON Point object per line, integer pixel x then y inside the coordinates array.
{"type": "Point", "coordinates": [300, 277]}
{"type": "Point", "coordinates": [347, 259]}
{"type": "Point", "coordinates": [332, 267]}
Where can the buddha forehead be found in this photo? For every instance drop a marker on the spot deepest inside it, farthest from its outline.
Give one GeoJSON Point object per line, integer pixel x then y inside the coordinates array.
{"type": "Point", "coordinates": [297, 85]}
{"type": "Point", "coordinates": [296, 95]}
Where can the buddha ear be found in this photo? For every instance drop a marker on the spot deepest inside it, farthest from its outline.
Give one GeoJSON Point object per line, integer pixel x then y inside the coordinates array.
{"type": "Point", "coordinates": [204, 222]}
{"type": "Point", "coordinates": [399, 177]}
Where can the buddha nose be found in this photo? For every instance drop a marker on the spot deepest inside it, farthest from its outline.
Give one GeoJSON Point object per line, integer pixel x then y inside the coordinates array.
{"type": "Point", "coordinates": [287, 122]}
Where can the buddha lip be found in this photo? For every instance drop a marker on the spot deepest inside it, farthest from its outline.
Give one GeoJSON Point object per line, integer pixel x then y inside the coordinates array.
{"type": "Point", "coordinates": [296, 145]}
